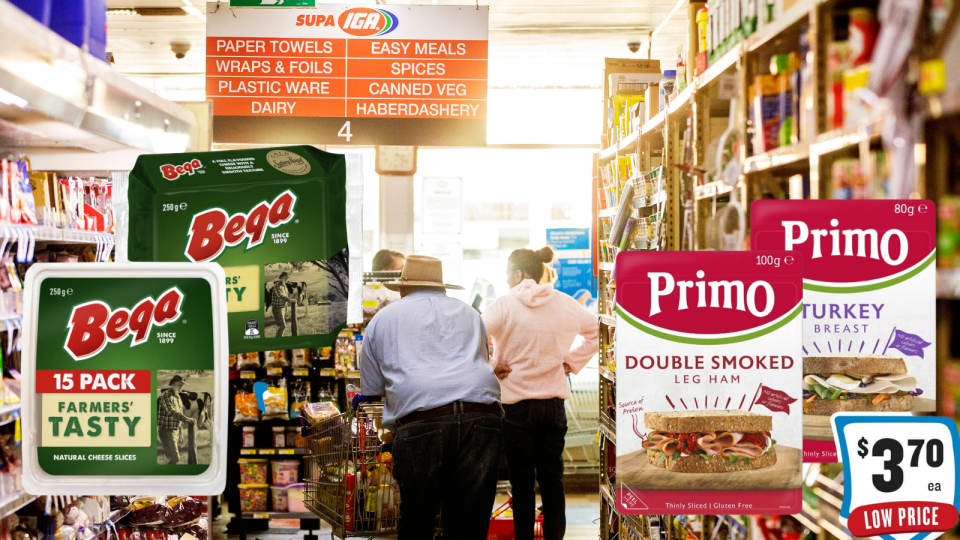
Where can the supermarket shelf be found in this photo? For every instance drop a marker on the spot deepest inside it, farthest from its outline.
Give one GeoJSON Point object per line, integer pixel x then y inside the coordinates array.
{"type": "Point", "coordinates": [608, 320]}
{"type": "Point", "coordinates": [278, 515]}
{"type": "Point", "coordinates": [8, 413]}
{"type": "Point", "coordinates": [608, 427]}
{"type": "Point", "coordinates": [848, 137]}
{"type": "Point", "coordinates": [15, 502]}
{"type": "Point", "coordinates": [53, 234]}
{"type": "Point", "coordinates": [273, 451]}
{"type": "Point", "coordinates": [607, 212]}
{"type": "Point", "coordinates": [69, 100]}
{"type": "Point", "coordinates": [787, 155]}
{"type": "Point", "coordinates": [713, 189]}
{"type": "Point", "coordinates": [608, 152]}
{"type": "Point", "coordinates": [608, 495]}
{"type": "Point", "coordinates": [948, 283]}
{"type": "Point", "coordinates": [608, 375]}
{"type": "Point", "coordinates": [608, 267]}
{"type": "Point", "coordinates": [630, 139]}
{"type": "Point", "coordinates": [654, 124]}
{"type": "Point", "coordinates": [682, 100]}
{"type": "Point", "coordinates": [791, 16]}
{"type": "Point", "coordinates": [718, 68]}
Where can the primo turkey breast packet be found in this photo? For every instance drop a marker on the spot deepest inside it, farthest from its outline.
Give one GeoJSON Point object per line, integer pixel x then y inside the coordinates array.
{"type": "Point", "coordinates": [869, 305]}
{"type": "Point", "coordinates": [708, 383]}
{"type": "Point", "coordinates": [284, 223]}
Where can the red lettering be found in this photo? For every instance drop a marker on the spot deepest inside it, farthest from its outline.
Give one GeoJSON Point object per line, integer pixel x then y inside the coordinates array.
{"type": "Point", "coordinates": [117, 326]}
{"type": "Point", "coordinates": [86, 337]}
{"type": "Point", "coordinates": [300, 20]}
{"type": "Point", "coordinates": [234, 233]}
{"type": "Point", "coordinates": [141, 318]}
{"type": "Point", "coordinates": [211, 231]}
{"type": "Point", "coordinates": [169, 172]}
{"type": "Point", "coordinates": [93, 325]}
{"type": "Point", "coordinates": [205, 242]}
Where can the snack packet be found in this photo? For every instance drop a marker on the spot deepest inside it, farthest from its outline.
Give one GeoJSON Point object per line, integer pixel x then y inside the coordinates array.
{"type": "Point", "coordinates": [302, 358]}
{"type": "Point", "coordinates": [275, 359]}
{"type": "Point", "coordinates": [275, 400]}
{"type": "Point", "coordinates": [245, 403]}
{"type": "Point", "coordinates": [248, 360]}
{"type": "Point", "coordinates": [299, 396]}
{"type": "Point", "coordinates": [284, 223]}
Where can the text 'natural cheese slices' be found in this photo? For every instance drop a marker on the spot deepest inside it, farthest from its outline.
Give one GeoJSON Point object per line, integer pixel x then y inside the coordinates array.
{"type": "Point", "coordinates": [125, 379]}
{"type": "Point", "coordinates": [284, 223]}
{"type": "Point", "coordinates": [709, 370]}
{"type": "Point", "coordinates": [869, 314]}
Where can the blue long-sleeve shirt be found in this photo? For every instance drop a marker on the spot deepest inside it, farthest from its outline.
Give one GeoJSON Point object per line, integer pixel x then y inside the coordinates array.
{"type": "Point", "coordinates": [424, 351]}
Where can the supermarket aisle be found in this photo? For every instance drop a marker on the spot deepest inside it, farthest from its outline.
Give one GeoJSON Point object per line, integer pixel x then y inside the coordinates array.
{"type": "Point", "coordinates": [583, 514]}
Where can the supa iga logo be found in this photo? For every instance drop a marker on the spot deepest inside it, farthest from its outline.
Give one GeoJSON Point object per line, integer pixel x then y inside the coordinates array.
{"type": "Point", "coordinates": [213, 230]}
{"type": "Point", "coordinates": [172, 172]}
{"type": "Point", "coordinates": [93, 325]}
{"type": "Point", "coordinates": [363, 22]}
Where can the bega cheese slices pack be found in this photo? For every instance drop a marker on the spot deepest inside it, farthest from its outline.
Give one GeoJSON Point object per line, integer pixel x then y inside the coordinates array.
{"type": "Point", "coordinates": [869, 314]}
{"type": "Point", "coordinates": [125, 379]}
{"type": "Point", "coordinates": [284, 223]}
{"type": "Point", "coordinates": [708, 383]}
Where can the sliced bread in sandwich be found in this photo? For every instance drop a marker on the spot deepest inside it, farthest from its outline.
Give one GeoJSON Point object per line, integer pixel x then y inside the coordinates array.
{"type": "Point", "coordinates": [867, 364]}
{"type": "Point", "coordinates": [703, 421]}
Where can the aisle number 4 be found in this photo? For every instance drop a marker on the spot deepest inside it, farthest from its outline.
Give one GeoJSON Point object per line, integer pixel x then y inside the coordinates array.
{"type": "Point", "coordinates": [345, 132]}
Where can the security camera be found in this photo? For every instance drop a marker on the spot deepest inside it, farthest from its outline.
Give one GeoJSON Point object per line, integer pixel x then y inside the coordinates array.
{"type": "Point", "coordinates": [634, 46]}
{"type": "Point", "coordinates": [180, 48]}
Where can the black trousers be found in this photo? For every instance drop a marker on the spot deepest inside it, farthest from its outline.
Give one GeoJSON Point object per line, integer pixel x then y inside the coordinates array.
{"type": "Point", "coordinates": [450, 460]}
{"type": "Point", "coordinates": [533, 439]}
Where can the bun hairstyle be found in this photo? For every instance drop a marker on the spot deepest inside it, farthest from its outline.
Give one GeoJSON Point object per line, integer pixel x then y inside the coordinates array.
{"type": "Point", "coordinates": [529, 262]}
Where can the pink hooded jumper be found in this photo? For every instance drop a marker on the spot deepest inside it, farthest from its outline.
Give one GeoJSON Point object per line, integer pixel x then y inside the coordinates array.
{"type": "Point", "coordinates": [533, 329]}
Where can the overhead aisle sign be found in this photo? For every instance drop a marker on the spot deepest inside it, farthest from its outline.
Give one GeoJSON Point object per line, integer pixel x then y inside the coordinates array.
{"type": "Point", "coordinates": [336, 74]}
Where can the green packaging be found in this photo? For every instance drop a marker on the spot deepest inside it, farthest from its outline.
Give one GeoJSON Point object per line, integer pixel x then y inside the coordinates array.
{"type": "Point", "coordinates": [284, 223]}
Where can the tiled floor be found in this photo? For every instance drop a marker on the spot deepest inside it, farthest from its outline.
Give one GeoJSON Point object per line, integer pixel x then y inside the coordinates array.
{"type": "Point", "coordinates": [583, 514]}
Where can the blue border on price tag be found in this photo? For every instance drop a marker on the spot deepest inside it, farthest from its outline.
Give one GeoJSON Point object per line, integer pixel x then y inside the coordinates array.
{"type": "Point", "coordinates": [842, 421]}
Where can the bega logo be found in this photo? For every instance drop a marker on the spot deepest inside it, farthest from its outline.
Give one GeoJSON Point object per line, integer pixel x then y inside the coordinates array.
{"type": "Point", "coordinates": [172, 172]}
{"type": "Point", "coordinates": [363, 22]}
{"type": "Point", "coordinates": [93, 324]}
{"type": "Point", "coordinates": [213, 230]}
{"type": "Point", "coordinates": [699, 297]}
{"type": "Point", "coordinates": [854, 243]}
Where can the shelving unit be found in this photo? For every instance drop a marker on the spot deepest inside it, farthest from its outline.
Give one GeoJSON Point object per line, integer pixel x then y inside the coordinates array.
{"type": "Point", "coordinates": [801, 169]}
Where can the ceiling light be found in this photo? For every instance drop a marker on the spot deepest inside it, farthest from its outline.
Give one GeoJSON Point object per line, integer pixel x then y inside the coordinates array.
{"type": "Point", "coordinates": [120, 12]}
{"type": "Point", "coordinates": [192, 9]}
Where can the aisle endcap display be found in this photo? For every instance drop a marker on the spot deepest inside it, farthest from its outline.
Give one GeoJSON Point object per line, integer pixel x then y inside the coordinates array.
{"type": "Point", "coordinates": [95, 424]}
{"type": "Point", "coordinates": [71, 99]}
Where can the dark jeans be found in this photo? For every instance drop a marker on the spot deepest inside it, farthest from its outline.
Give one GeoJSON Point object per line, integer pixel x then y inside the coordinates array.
{"type": "Point", "coordinates": [450, 459]}
{"type": "Point", "coordinates": [533, 432]}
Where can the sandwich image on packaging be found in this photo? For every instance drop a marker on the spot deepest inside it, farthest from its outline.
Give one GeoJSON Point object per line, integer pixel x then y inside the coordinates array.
{"type": "Point", "coordinates": [709, 441]}
{"type": "Point", "coordinates": [867, 383]}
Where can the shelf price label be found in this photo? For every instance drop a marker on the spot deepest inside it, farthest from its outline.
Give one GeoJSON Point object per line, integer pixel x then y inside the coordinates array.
{"type": "Point", "coordinates": [901, 474]}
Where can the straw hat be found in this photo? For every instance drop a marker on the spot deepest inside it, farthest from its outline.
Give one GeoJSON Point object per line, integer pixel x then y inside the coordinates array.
{"type": "Point", "coordinates": [422, 272]}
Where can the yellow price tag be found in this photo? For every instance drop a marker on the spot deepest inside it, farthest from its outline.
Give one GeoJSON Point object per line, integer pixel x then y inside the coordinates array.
{"type": "Point", "coordinates": [274, 371]}
{"type": "Point", "coordinates": [261, 516]}
{"type": "Point", "coordinates": [247, 451]}
{"type": "Point", "coordinates": [301, 372]}
{"type": "Point", "coordinates": [248, 374]}
{"type": "Point", "coordinates": [267, 451]}
{"type": "Point", "coordinates": [328, 373]}
{"type": "Point", "coordinates": [286, 451]}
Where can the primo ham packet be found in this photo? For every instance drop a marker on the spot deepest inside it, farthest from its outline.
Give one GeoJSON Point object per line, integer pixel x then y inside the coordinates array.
{"type": "Point", "coordinates": [284, 223]}
{"type": "Point", "coordinates": [708, 395]}
{"type": "Point", "coordinates": [869, 314]}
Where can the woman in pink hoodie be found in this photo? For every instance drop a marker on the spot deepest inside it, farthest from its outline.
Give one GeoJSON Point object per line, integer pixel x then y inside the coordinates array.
{"type": "Point", "coordinates": [533, 330]}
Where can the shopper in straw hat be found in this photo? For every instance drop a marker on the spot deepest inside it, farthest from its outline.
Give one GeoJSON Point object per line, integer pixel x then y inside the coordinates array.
{"type": "Point", "coordinates": [427, 353]}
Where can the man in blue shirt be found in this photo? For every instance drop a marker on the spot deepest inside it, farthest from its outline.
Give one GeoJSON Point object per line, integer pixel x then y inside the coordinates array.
{"type": "Point", "coordinates": [427, 353]}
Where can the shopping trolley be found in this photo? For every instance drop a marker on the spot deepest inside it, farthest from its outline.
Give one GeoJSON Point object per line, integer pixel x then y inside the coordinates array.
{"type": "Point", "coordinates": [349, 479]}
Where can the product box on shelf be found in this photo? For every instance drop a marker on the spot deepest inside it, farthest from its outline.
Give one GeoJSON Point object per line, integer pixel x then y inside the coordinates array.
{"type": "Point", "coordinates": [708, 382]}
{"type": "Point", "coordinates": [285, 224]}
{"type": "Point", "coordinates": [114, 357]}
{"type": "Point", "coordinates": [869, 314]}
